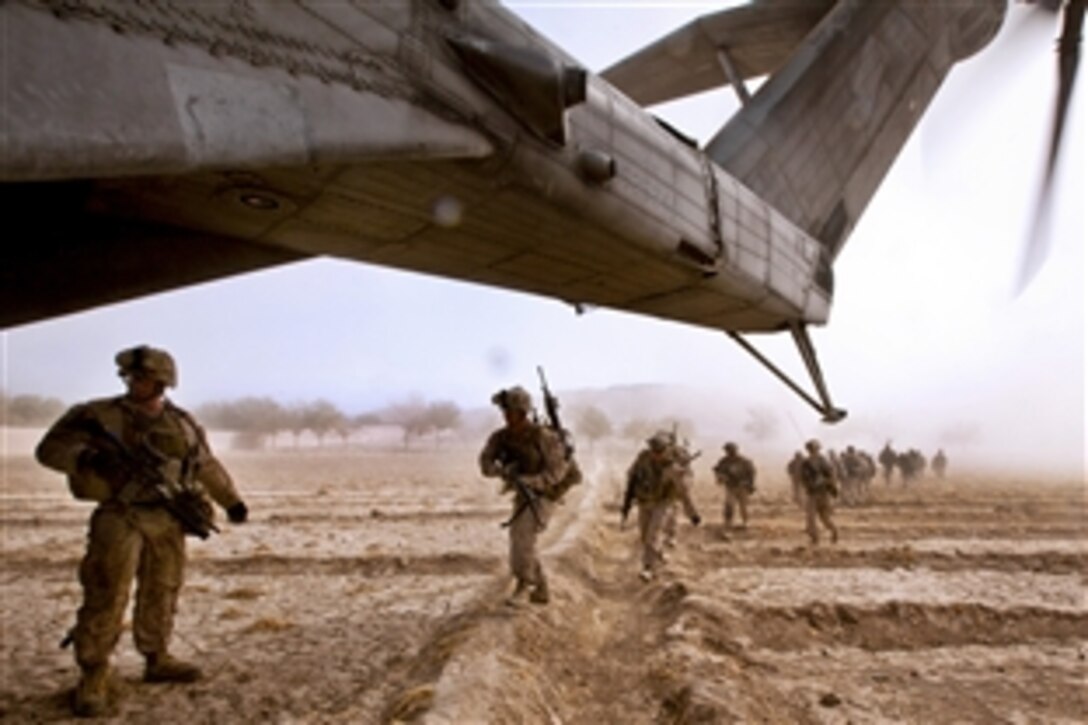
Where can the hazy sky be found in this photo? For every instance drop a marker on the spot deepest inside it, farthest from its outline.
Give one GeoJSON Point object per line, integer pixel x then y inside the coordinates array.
{"type": "Point", "coordinates": [926, 339]}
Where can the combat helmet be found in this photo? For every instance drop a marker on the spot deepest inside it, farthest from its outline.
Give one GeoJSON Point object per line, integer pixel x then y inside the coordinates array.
{"type": "Point", "coordinates": [730, 447]}
{"type": "Point", "coordinates": [153, 362]}
{"type": "Point", "coordinates": [812, 445]}
{"type": "Point", "coordinates": [659, 441]}
{"type": "Point", "coordinates": [515, 398]}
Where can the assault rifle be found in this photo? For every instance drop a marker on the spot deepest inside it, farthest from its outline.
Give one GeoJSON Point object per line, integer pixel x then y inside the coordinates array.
{"type": "Point", "coordinates": [551, 407]}
{"type": "Point", "coordinates": [529, 499]}
{"type": "Point", "coordinates": [142, 469]}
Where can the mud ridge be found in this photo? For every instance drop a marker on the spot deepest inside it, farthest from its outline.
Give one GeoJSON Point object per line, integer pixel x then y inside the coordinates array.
{"type": "Point", "coordinates": [283, 566]}
{"type": "Point", "coordinates": [378, 515]}
{"type": "Point", "coordinates": [903, 557]}
{"type": "Point", "coordinates": [907, 626]}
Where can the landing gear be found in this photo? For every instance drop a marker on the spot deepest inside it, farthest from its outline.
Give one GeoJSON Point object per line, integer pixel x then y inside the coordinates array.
{"type": "Point", "coordinates": [799, 331]}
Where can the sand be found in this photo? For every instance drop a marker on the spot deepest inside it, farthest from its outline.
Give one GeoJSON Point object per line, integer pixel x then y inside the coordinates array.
{"type": "Point", "coordinates": [368, 587]}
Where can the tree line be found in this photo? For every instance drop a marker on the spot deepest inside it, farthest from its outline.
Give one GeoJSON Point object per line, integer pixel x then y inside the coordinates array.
{"type": "Point", "coordinates": [256, 421]}
{"type": "Point", "coordinates": [29, 410]}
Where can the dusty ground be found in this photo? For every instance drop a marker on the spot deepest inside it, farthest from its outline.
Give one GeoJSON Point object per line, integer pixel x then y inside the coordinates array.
{"type": "Point", "coordinates": [367, 587]}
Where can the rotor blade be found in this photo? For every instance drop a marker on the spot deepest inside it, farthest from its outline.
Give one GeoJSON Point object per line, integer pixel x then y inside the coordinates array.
{"type": "Point", "coordinates": [1068, 60]}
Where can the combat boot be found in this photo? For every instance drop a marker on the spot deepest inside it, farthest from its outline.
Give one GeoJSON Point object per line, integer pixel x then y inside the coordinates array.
{"type": "Point", "coordinates": [521, 593]}
{"type": "Point", "coordinates": [540, 592]}
{"type": "Point", "coordinates": [161, 667]}
{"type": "Point", "coordinates": [91, 696]}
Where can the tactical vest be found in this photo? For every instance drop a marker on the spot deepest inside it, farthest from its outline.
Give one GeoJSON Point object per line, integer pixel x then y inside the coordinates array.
{"type": "Point", "coordinates": [817, 475]}
{"type": "Point", "coordinates": [654, 482]}
{"type": "Point", "coordinates": [734, 471]}
{"type": "Point", "coordinates": [523, 448]}
{"type": "Point", "coordinates": [173, 434]}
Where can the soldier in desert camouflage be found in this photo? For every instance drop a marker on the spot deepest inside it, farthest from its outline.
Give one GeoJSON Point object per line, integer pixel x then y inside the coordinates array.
{"type": "Point", "coordinates": [133, 534]}
{"type": "Point", "coordinates": [818, 478]}
{"type": "Point", "coordinates": [532, 461]}
{"type": "Point", "coordinates": [683, 456]}
{"type": "Point", "coordinates": [737, 475]}
{"type": "Point", "coordinates": [656, 481]}
{"type": "Point", "coordinates": [888, 459]}
{"type": "Point", "coordinates": [940, 463]}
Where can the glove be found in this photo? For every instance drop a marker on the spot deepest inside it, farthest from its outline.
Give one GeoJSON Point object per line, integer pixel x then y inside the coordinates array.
{"type": "Point", "coordinates": [238, 513]}
{"type": "Point", "coordinates": [696, 520]}
{"type": "Point", "coordinates": [106, 465]}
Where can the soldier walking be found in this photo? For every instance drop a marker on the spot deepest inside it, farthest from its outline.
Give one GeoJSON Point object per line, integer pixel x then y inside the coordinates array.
{"type": "Point", "coordinates": [533, 463]}
{"type": "Point", "coordinates": [818, 478]}
{"type": "Point", "coordinates": [136, 531]}
{"type": "Point", "coordinates": [738, 475]}
{"type": "Point", "coordinates": [888, 460]}
{"type": "Point", "coordinates": [683, 458]}
{"type": "Point", "coordinates": [655, 481]}
{"type": "Point", "coordinates": [940, 463]}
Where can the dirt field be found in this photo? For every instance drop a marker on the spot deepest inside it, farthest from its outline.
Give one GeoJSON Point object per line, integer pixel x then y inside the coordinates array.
{"type": "Point", "coordinates": [368, 587]}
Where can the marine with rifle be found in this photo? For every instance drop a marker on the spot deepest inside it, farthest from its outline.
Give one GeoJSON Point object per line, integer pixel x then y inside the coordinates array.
{"type": "Point", "coordinates": [684, 457]}
{"type": "Point", "coordinates": [737, 475]}
{"type": "Point", "coordinates": [147, 464]}
{"type": "Point", "coordinates": [656, 481]}
{"type": "Point", "coordinates": [536, 462]}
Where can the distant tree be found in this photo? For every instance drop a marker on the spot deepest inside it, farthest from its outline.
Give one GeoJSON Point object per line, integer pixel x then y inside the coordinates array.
{"type": "Point", "coordinates": [294, 421]}
{"type": "Point", "coordinates": [443, 416]}
{"type": "Point", "coordinates": [409, 415]}
{"type": "Point", "coordinates": [417, 418]}
{"type": "Point", "coordinates": [366, 419]}
{"type": "Point", "coordinates": [592, 424]}
{"type": "Point", "coordinates": [31, 410]}
{"type": "Point", "coordinates": [322, 417]}
{"type": "Point", "coordinates": [253, 420]}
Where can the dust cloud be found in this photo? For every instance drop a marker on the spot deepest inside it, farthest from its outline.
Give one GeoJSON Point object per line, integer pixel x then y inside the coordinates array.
{"type": "Point", "coordinates": [368, 586]}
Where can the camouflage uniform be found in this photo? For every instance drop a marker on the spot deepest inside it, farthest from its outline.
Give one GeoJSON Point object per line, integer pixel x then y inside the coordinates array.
{"type": "Point", "coordinates": [656, 482]}
{"type": "Point", "coordinates": [738, 475]}
{"type": "Point", "coordinates": [940, 463]}
{"type": "Point", "coordinates": [535, 456]}
{"type": "Point", "coordinates": [131, 535]}
{"type": "Point", "coordinates": [888, 460]}
{"type": "Point", "coordinates": [818, 478]}
{"type": "Point", "coordinates": [685, 483]}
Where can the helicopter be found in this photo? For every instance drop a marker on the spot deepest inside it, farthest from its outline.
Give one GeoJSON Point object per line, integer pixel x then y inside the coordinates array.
{"type": "Point", "coordinates": [155, 145]}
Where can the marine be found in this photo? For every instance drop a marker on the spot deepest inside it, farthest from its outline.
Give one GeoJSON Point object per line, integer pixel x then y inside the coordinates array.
{"type": "Point", "coordinates": [135, 530]}
{"type": "Point", "coordinates": [888, 459]}
{"type": "Point", "coordinates": [818, 478]}
{"type": "Point", "coordinates": [532, 460]}
{"type": "Point", "coordinates": [656, 481]}
{"type": "Point", "coordinates": [737, 474]}
{"type": "Point", "coordinates": [940, 463]}
{"type": "Point", "coordinates": [684, 458]}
